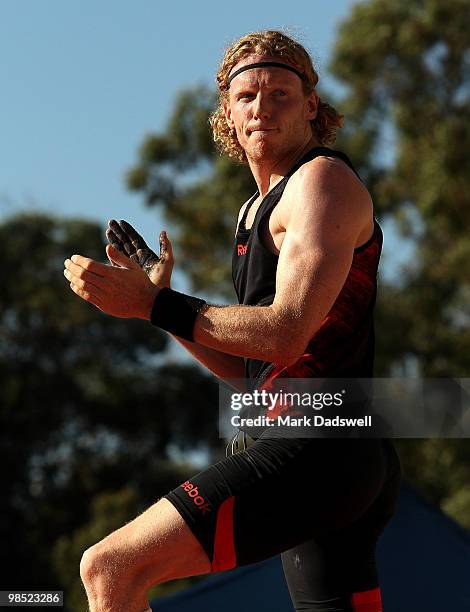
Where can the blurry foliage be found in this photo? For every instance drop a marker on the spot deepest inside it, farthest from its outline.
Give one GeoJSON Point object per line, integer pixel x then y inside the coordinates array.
{"type": "Point", "coordinates": [90, 409]}
{"type": "Point", "coordinates": [405, 67]}
{"type": "Point", "coordinates": [108, 511]}
{"type": "Point", "coordinates": [199, 191]}
{"type": "Point", "coordinates": [408, 65]}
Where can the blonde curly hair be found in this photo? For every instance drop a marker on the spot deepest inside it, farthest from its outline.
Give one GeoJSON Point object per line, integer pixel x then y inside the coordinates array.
{"type": "Point", "coordinates": [273, 43]}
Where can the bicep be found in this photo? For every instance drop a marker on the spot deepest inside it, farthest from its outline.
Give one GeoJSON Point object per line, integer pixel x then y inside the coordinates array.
{"type": "Point", "coordinates": [318, 247]}
{"type": "Point", "coordinates": [309, 278]}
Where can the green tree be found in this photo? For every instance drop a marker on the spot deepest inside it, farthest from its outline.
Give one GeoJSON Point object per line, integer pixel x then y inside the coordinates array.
{"type": "Point", "coordinates": [90, 409]}
{"type": "Point", "coordinates": [199, 191]}
{"type": "Point", "coordinates": [405, 67]}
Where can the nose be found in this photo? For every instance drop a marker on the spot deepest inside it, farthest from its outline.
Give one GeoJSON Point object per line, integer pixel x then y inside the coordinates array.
{"type": "Point", "coordinates": [262, 108]}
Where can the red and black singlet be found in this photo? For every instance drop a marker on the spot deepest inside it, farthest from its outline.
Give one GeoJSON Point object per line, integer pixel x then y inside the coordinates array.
{"type": "Point", "coordinates": [266, 499]}
{"type": "Point", "coordinates": [343, 346]}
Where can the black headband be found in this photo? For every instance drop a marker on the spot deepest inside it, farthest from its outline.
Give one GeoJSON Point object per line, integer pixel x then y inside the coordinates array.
{"type": "Point", "coordinates": [260, 64]}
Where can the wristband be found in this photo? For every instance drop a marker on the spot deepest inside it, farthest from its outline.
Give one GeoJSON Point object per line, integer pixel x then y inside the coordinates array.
{"type": "Point", "coordinates": [176, 312]}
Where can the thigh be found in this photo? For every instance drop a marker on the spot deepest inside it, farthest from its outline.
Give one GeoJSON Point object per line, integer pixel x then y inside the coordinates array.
{"type": "Point", "coordinates": [154, 547]}
{"type": "Point", "coordinates": [277, 494]}
{"type": "Point", "coordinates": [337, 571]}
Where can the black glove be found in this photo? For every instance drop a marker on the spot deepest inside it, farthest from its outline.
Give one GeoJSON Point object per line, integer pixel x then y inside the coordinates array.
{"type": "Point", "coordinates": [123, 237]}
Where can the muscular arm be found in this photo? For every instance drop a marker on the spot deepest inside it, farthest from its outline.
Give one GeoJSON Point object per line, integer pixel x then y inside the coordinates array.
{"type": "Point", "coordinates": [329, 210]}
{"type": "Point", "coordinates": [129, 244]}
{"type": "Point", "coordinates": [328, 213]}
{"type": "Point", "coordinates": [222, 365]}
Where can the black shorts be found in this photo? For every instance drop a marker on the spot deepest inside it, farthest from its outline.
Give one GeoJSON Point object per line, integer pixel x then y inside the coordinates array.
{"type": "Point", "coordinates": [320, 503]}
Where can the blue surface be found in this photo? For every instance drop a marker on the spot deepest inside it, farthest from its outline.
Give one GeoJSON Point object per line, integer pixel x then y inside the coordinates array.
{"type": "Point", "coordinates": [424, 566]}
{"type": "Point", "coordinates": [259, 587]}
{"type": "Point", "coordinates": [424, 559]}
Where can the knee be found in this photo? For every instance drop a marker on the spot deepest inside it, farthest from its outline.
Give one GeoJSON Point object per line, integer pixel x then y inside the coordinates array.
{"type": "Point", "coordinates": [101, 562]}
{"type": "Point", "coordinates": [103, 567]}
{"type": "Point", "coordinates": [92, 563]}
{"type": "Point", "coordinates": [110, 586]}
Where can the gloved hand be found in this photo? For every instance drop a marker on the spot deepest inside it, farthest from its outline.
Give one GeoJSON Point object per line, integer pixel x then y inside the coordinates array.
{"type": "Point", "coordinates": [123, 237]}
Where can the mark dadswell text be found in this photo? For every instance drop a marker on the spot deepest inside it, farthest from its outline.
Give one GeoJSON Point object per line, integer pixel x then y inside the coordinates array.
{"type": "Point", "coordinates": [304, 421]}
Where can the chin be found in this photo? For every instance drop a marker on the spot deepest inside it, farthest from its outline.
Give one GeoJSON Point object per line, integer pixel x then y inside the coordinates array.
{"type": "Point", "coordinates": [264, 150]}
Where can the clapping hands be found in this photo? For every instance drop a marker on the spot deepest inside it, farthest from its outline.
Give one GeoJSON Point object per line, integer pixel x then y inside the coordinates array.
{"type": "Point", "coordinates": [123, 237]}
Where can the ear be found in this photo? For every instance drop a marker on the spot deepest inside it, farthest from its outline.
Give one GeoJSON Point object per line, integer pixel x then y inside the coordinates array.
{"type": "Point", "coordinates": [228, 114]}
{"type": "Point", "coordinates": [313, 101]}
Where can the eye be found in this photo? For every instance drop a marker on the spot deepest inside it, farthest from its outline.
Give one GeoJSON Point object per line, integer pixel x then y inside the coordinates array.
{"type": "Point", "coordinates": [244, 96]}
{"type": "Point", "coordinates": [280, 92]}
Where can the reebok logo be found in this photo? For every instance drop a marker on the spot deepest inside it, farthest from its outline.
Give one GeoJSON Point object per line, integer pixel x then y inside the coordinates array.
{"type": "Point", "coordinates": [242, 249]}
{"type": "Point", "coordinates": [193, 492]}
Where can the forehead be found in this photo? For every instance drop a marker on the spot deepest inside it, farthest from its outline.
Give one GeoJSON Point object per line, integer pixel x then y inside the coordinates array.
{"type": "Point", "coordinates": [263, 74]}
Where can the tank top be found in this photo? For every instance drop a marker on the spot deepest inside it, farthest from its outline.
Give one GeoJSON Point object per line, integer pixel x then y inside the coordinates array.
{"type": "Point", "coordinates": [343, 346]}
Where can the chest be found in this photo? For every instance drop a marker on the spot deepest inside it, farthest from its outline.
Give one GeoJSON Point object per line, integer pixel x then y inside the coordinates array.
{"type": "Point", "coordinates": [271, 227]}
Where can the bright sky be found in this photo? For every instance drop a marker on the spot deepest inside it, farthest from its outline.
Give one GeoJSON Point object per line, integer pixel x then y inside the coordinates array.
{"type": "Point", "coordinates": [83, 82]}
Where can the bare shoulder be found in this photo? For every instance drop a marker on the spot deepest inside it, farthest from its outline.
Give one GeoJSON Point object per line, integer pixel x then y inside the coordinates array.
{"type": "Point", "coordinates": [327, 203]}
{"type": "Point", "coordinates": [328, 184]}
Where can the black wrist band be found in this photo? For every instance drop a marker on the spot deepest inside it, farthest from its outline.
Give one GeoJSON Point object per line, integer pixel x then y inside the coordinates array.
{"type": "Point", "coordinates": [176, 312]}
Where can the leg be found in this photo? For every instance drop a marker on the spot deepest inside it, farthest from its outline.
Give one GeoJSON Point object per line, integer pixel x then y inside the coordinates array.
{"type": "Point", "coordinates": [155, 547]}
{"type": "Point", "coordinates": [279, 493]}
{"type": "Point", "coordinates": [338, 571]}
{"type": "Point", "coordinates": [246, 508]}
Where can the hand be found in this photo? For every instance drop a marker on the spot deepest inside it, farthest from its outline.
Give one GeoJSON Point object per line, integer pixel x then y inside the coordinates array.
{"type": "Point", "coordinates": [123, 237]}
{"type": "Point", "coordinates": [124, 291]}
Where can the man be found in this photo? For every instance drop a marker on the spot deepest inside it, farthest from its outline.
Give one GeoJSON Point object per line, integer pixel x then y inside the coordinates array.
{"type": "Point", "coordinates": [305, 264]}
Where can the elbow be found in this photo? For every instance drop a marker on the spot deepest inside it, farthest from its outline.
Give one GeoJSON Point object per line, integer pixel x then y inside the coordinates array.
{"type": "Point", "coordinates": [290, 337]}
{"type": "Point", "coordinates": [288, 350]}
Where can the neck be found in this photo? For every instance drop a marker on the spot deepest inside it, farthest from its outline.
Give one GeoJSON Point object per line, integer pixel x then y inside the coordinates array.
{"type": "Point", "coordinates": [268, 172]}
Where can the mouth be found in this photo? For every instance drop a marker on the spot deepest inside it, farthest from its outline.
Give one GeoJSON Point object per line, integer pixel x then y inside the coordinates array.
{"type": "Point", "coordinates": [263, 130]}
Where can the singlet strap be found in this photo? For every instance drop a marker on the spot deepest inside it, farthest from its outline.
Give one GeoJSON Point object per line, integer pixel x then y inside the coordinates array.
{"type": "Point", "coordinates": [242, 224]}
{"type": "Point", "coordinates": [313, 153]}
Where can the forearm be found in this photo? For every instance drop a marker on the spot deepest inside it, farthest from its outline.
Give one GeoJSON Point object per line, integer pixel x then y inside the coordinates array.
{"type": "Point", "coordinates": [221, 364]}
{"type": "Point", "coordinates": [271, 333]}
{"type": "Point", "coordinates": [256, 332]}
